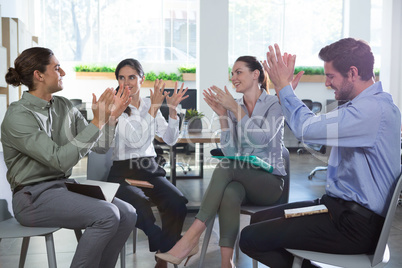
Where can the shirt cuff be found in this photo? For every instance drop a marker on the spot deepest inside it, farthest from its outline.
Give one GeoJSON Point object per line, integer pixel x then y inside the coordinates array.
{"type": "Point", "coordinates": [92, 133]}
{"type": "Point", "coordinates": [286, 92]}
{"type": "Point", "coordinates": [173, 123]}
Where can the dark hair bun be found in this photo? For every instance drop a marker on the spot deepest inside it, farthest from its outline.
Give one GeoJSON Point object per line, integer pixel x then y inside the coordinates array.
{"type": "Point", "coordinates": [12, 77]}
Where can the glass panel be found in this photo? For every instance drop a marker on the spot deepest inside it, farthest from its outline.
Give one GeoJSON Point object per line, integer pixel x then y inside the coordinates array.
{"type": "Point", "coordinates": [375, 33]}
{"type": "Point", "coordinates": [109, 31]}
{"type": "Point", "coordinates": [298, 26]}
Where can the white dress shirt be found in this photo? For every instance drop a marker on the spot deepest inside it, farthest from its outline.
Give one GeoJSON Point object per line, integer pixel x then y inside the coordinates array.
{"type": "Point", "coordinates": [135, 133]}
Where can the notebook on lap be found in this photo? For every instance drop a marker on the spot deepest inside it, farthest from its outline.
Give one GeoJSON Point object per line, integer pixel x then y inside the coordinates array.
{"type": "Point", "coordinates": [97, 189]}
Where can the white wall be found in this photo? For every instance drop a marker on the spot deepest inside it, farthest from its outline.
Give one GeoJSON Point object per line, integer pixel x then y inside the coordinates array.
{"type": "Point", "coordinates": [212, 51]}
{"type": "Point", "coordinates": [391, 50]}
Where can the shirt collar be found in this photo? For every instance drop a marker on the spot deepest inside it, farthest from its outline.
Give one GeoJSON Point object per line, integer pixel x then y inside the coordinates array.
{"type": "Point", "coordinates": [41, 103]}
{"type": "Point", "coordinates": [261, 98]}
{"type": "Point", "coordinates": [371, 90]}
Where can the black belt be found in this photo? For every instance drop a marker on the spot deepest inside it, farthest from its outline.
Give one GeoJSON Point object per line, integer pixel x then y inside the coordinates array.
{"type": "Point", "coordinates": [18, 188]}
{"type": "Point", "coordinates": [21, 186]}
{"type": "Point", "coordinates": [359, 209]}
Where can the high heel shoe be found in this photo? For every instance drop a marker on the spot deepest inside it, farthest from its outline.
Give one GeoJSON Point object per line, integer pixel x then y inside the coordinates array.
{"type": "Point", "coordinates": [174, 260]}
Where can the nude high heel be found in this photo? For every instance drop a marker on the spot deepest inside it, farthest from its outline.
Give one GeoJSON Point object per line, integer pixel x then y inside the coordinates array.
{"type": "Point", "coordinates": [174, 260]}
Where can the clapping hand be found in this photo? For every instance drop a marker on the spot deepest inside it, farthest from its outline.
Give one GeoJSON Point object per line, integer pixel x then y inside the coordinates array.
{"type": "Point", "coordinates": [175, 99]}
{"type": "Point", "coordinates": [120, 103]}
{"type": "Point", "coordinates": [102, 108]}
{"type": "Point", "coordinates": [224, 98]}
{"type": "Point", "coordinates": [211, 99]}
{"type": "Point", "coordinates": [280, 68]}
{"type": "Point", "coordinates": [157, 96]}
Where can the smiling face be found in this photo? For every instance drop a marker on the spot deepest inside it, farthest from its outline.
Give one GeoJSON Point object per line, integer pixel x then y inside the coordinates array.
{"type": "Point", "coordinates": [53, 76]}
{"type": "Point", "coordinates": [128, 76]}
{"type": "Point", "coordinates": [342, 86]}
{"type": "Point", "coordinates": [242, 77]}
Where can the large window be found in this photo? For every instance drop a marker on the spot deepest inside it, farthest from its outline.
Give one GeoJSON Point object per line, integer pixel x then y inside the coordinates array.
{"type": "Point", "coordinates": [111, 30]}
{"type": "Point", "coordinates": [298, 26]}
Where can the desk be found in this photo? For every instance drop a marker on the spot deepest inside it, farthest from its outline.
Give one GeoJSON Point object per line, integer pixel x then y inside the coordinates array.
{"type": "Point", "coordinates": [192, 138]}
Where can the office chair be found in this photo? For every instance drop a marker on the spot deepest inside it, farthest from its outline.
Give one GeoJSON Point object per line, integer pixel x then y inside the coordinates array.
{"type": "Point", "coordinates": [309, 104]}
{"type": "Point", "coordinates": [316, 108]}
{"type": "Point", "coordinates": [98, 167]}
{"type": "Point", "coordinates": [160, 159]}
{"type": "Point", "coordinates": [323, 150]}
{"type": "Point", "coordinates": [80, 106]}
{"type": "Point", "coordinates": [10, 227]}
{"type": "Point", "coordinates": [381, 254]}
{"type": "Point", "coordinates": [159, 148]}
{"type": "Point", "coordinates": [250, 210]}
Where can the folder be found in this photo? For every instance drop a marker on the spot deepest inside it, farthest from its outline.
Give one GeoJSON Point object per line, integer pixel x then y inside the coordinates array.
{"type": "Point", "coordinates": [252, 159]}
{"type": "Point", "coordinates": [97, 189]}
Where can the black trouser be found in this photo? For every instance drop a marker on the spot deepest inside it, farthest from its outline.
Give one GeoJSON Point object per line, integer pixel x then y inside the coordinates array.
{"type": "Point", "coordinates": [346, 229]}
{"type": "Point", "coordinates": [169, 200]}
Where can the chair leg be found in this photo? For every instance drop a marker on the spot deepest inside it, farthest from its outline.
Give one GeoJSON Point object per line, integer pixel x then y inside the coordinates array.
{"type": "Point", "coordinates": [255, 263]}
{"type": "Point", "coordinates": [205, 243]}
{"type": "Point", "coordinates": [237, 247]}
{"type": "Point", "coordinates": [24, 250]}
{"type": "Point", "coordinates": [51, 254]}
{"type": "Point", "coordinates": [135, 231]}
{"type": "Point", "coordinates": [312, 173]}
{"type": "Point", "coordinates": [78, 234]}
{"type": "Point", "coordinates": [123, 257]}
{"type": "Point", "coordinates": [297, 262]}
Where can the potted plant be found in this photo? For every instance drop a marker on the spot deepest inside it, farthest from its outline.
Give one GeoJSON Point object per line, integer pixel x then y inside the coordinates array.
{"type": "Point", "coordinates": [187, 73]}
{"type": "Point", "coordinates": [92, 71]}
{"type": "Point", "coordinates": [193, 119]}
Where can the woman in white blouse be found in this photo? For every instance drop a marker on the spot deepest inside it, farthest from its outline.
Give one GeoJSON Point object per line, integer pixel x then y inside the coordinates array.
{"type": "Point", "coordinates": [134, 157]}
{"type": "Point", "coordinates": [251, 125]}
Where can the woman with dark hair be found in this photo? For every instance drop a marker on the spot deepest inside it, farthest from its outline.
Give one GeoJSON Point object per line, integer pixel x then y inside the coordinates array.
{"type": "Point", "coordinates": [43, 138]}
{"type": "Point", "coordinates": [134, 157]}
{"type": "Point", "coordinates": [251, 125]}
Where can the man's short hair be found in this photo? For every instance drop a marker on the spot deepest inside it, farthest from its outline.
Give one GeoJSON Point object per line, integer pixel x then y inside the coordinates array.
{"type": "Point", "coordinates": [349, 52]}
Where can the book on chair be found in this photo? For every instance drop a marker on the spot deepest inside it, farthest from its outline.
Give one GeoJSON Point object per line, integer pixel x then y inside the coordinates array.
{"type": "Point", "coordinates": [297, 212]}
{"type": "Point", "coordinates": [97, 189]}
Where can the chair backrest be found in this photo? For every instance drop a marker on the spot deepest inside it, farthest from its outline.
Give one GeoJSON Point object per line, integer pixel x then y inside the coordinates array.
{"type": "Point", "coordinates": [317, 107]}
{"type": "Point", "coordinates": [382, 241]}
{"type": "Point", "coordinates": [6, 195]}
{"type": "Point", "coordinates": [308, 103]}
{"type": "Point", "coordinates": [98, 165]}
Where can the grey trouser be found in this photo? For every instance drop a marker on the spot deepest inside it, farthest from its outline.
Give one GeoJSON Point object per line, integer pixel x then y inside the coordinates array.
{"type": "Point", "coordinates": [107, 225]}
{"type": "Point", "coordinates": [232, 185]}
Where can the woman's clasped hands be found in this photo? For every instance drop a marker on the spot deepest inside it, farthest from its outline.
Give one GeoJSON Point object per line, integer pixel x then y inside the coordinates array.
{"type": "Point", "coordinates": [220, 100]}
